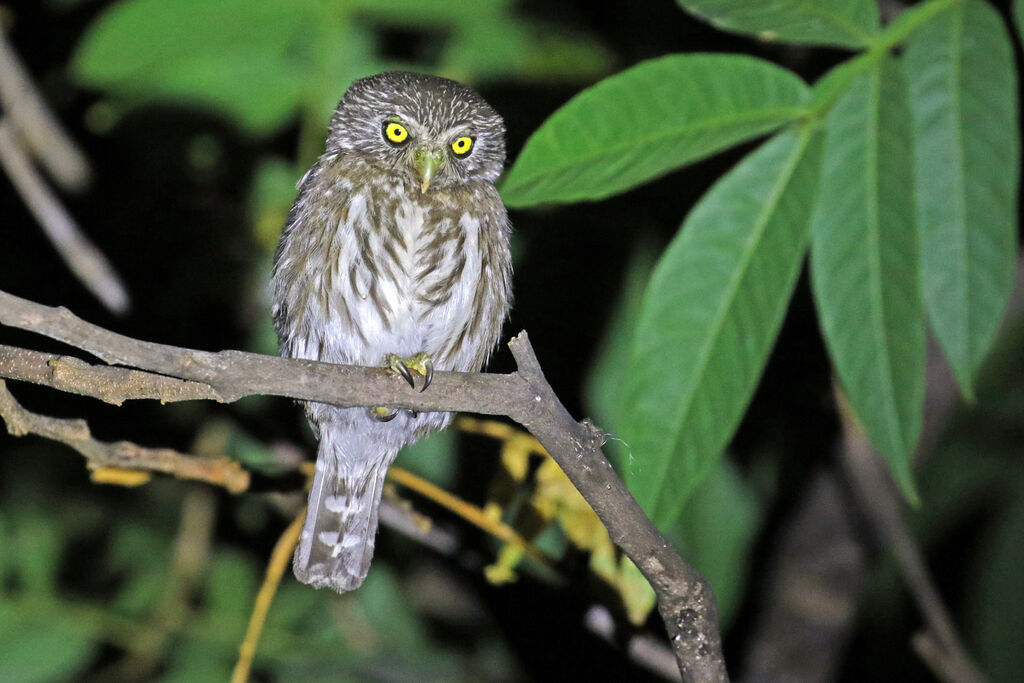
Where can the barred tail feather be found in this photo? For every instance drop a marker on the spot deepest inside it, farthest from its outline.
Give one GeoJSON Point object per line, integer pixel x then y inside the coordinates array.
{"type": "Point", "coordinates": [338, 535]}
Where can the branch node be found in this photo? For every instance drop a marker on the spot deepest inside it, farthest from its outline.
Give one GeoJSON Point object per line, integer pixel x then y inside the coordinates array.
{"type": "Point", "coordinates": [525, 396]}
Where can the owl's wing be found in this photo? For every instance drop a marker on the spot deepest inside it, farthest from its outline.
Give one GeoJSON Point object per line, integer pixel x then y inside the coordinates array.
{"type": "Point", "coordinates": [303, 260]}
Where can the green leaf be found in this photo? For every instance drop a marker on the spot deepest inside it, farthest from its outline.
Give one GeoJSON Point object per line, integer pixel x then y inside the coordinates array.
{"type": "Point", "coordinates": [648, 120]}
{"type": "Point", "coordinates": [31, 651]}
{"type": "Point", "coordinates": [433, 458]}
{"type": "Point", "coordinates": [843, 23]}
{"type": "Point", "coordinates": [610, 370]}
{"type": "Point", "coordinates": [244, 58]}
{"type": "Point", "coordinates": [710, 316]}
{"type": "Point", "coordinates": [964, 102]}
{"type": "Point", "coordinates": [718, 525]}
{"type": "Point", "coordinates": [232, 586]}
{"type": "Point", "coordinates": [830, 87]}
{"type": "Point", "coordinates": [716, 532]}
{"type": "Point", "coordinates": [1018, 18]}
{"type": "Point", "coordinates": [865, 263]}
{"type": "Point", "coordinates": [994, 599]}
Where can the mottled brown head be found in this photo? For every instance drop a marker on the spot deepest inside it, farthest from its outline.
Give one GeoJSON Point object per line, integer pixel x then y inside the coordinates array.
{"type": "Point", "coordinates": [434, 131]}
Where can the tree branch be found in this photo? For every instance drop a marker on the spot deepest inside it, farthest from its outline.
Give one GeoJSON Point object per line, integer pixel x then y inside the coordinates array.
{"type": "Point", "coordinates": [685, 599]}
{"type": "Point", "coordinates": [82, 257]}
{"type": "Point", "coordinates": [121, 454]}
{"type": "Point", "coordinates": [36, 124]}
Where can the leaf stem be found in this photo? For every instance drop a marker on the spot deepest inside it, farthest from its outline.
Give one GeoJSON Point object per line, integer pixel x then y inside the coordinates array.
{"type": "Point", "coordinates": [835, 83]}
{"type": "Point", "coordinates": [908, 22]}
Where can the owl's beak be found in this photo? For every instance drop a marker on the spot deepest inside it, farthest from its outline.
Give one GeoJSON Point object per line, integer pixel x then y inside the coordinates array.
{"type": "Point", "coordinates": [426, 161]}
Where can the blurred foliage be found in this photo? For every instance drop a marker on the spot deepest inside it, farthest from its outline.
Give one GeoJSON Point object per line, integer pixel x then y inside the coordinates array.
{"type": "Point", "coordinates": [262, 62]}
{"type": "Point", "coordinates": [555, 500]}
{"type": "Point", "coordinates": [192, 626]}
{"type": "Point", "coordinates": [834, 23]}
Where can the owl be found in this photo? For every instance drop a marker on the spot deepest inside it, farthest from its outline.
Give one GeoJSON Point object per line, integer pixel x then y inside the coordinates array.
{"type": "Point", "coordinates": [395, 254]}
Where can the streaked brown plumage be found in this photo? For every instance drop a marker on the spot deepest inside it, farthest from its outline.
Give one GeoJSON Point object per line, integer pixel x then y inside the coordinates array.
{"type": "Point", "coordinates": [397, 245]}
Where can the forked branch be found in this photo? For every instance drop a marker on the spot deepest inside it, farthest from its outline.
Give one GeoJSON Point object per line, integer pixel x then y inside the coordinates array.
{"type": "Point", "coordinates": [168, 373]}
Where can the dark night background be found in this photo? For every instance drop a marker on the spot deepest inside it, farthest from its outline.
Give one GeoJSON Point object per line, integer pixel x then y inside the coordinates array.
{"type": "Point", "coordinates": [172, 206]}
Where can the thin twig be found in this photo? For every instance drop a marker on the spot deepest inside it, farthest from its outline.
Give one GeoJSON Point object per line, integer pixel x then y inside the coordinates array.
{"type": "Point", "coordinates": [279, 560]}
{"type": "Point", "coordinates": [821, 547]}
{"type": "Point", "coordinates": [37, 125]}
{"type": "Point", "coordinates": [470, 513]}
{"type": "Point", "coordinates": [880, 502]}
{"type": "Point", "coordinates": [82, 257]}
{"type": "Point", "coordinates": [812, 588]}
{"type": "Point", "coordinates": [647, 652]}
{"type": "Point", "coordinates": [120, 454]}
{"type": "Point", "coordinates": [685, 599]}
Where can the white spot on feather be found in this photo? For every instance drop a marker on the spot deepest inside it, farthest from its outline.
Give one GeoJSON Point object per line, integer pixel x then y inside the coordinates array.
{"type": "Point", "coordinates": [329, 537]}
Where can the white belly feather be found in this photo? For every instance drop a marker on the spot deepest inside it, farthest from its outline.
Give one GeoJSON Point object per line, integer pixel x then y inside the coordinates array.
{"type": "Point", "coordinates": [411, 325]}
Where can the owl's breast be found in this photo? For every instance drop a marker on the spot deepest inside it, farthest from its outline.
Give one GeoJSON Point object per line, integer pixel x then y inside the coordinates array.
{"type": "Point", "coordinates": [408, 285]}
{"type": "Point", "coordinates": [369, 265]}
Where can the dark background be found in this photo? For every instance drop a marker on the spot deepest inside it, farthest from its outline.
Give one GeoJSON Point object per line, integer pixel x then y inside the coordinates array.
{"type": "Point", "coordinates": [175, 217]}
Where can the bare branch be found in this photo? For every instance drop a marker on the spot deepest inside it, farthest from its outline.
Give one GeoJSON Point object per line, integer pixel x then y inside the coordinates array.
{"type": "Point", "coordinates": [121, 454]}
{"type": "Point", "coordinates": [83, 258]}
{"type": "Point", "coordinates": [112, 385]}
{"type": "Point", "coordinates": [880, 502]}
{"type": "Point", "coordinates": [33, 120]}
{"type": "Point", "coordinates": [685, 599]}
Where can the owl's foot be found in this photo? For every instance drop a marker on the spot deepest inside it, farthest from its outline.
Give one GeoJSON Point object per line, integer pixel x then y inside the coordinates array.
{"type": "Point", "coordinates": [421, 363]}
{"type": "Point", "coordinates": [383, 413]}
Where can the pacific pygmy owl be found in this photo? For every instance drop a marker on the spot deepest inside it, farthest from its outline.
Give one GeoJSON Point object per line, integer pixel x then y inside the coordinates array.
{"type": "Point", "coordinates": [395, 253]}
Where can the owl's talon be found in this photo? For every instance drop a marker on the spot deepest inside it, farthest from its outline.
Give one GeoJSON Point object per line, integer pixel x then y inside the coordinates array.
{"type": "Point", "coordinates": [383, 413]}
{"type": "Point", "coordinates": [403, 370]}
{"type": "Point", "coordinates": [397, 364]}
{"type": "Point", "coordinates": [428, 365]}
{"type": "Point", "coordinates": [422, 363]}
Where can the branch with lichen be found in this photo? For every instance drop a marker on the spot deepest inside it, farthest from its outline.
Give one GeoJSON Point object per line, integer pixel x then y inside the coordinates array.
{"type": "Point", "coordinates": [120, 461]}
{"type": "Point", "coordinates": [167, 373]}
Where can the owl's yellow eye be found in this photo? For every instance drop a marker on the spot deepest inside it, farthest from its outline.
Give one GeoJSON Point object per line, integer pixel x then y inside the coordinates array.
{"type": "Point", "coordinates": [395, 132]}
{"type": "Point", "coordinates": [462, 145]}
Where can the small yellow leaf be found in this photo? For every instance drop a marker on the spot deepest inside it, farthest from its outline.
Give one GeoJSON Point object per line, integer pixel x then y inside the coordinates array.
{"type": "Point", "coordinates": [502, 571]}
{"type": "Point", "coordinates": [637, 595]}
{"type": "Point", "coordinates": [515, 459]}
{"type": "Point", "coordinates": [120, 476]}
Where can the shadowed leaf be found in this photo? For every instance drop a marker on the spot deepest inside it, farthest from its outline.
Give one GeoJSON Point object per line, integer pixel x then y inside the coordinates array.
{"type": "Point", "coordinates": [964, 102]}
{"type": "Point", "coordinates": [710, 317]}
{"type": "Point", "coordinates": [865, 263]}
{"type": "Point", "coordinates": [843, 23]}
{"type": "Point", "coordinates": [648, 120]}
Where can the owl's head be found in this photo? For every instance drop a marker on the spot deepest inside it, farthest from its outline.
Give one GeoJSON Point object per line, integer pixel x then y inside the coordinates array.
{"type": "Point", "coordinates": [432, 130]}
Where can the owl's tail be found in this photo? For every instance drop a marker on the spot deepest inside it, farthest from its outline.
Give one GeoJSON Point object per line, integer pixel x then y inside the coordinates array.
{"type": "Point", "coordinates": [337, 539]}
